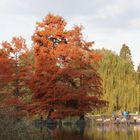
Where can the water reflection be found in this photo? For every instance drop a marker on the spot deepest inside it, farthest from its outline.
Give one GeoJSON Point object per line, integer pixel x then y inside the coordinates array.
{"type": "Point", "coordinates": [88, 132]}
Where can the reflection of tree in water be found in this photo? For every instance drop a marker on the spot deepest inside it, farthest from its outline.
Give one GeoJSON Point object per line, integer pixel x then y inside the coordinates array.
{"type": "Point", "coordinates": [43, 132]}
{"type": "Point", "coordinates": [72, 132]}
{"type": "Point", "coordinates": [129, 133]}
{"type": "Point", "coordinates": [59, 132]}
{"type": "Point", "coordinates": [75, 132]}
{"type": "Point", "coordinates": [103, 128]}
{"type": "Point", "coordinates": [80, 132]}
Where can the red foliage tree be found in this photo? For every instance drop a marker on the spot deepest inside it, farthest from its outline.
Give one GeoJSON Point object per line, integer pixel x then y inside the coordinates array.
{"type": "Point", "coordinates": [13, 73]}
{"type": "Point", "coordinates": [5, 65]}
{"type": "Point", "coordinates": [15, 50]}
{"type": "Point", "coordinates": [65, 77]}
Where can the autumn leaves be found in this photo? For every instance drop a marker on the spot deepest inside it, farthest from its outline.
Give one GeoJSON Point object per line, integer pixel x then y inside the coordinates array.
{"type": "Point", "coordinates": [56, 74]}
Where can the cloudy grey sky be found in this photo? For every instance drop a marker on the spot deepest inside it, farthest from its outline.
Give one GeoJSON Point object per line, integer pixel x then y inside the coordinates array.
{"type": "Point", "coordinates": [109, 23]}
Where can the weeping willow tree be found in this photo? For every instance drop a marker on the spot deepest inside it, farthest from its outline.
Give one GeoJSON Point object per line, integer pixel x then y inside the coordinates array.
{"type": "Point", "coordinates": [138, 74]}
{"type": "Point", "coordinates": [120, 81]}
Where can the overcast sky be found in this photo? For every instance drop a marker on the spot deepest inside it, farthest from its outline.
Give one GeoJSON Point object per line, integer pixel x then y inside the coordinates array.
{"type": "Point", "coordinates": [109, 23]}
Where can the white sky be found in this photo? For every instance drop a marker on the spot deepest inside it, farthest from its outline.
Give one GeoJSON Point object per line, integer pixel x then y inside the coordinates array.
{"type": "Point", "coordinates": [109, 23]}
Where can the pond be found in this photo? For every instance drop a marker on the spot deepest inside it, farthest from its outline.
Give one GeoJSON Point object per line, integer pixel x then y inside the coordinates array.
{"type": "Point", "coordinates": [87, 132]}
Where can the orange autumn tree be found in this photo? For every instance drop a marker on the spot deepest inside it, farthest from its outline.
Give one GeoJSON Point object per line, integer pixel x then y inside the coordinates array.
{"type": "Point", "coordinates": [5, 75]}
{"type": "Point", "coordinates": [5, 65]}
{"type": "Point", "coordinates": [13, 73]}
{"type": "Point", "coordinates": [64, 79]}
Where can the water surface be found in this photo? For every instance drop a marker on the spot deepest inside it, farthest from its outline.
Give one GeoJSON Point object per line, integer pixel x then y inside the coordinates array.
{"type": "Point", "coordinates": [88, 132]}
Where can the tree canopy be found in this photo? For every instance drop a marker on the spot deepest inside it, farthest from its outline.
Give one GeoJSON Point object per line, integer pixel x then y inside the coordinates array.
{"type": "Point", "coordinates": [64, 78]}
{"type": "Point", "coordinates": [62, 75]}
{"type": "Point", "coordinates": [120, 81]}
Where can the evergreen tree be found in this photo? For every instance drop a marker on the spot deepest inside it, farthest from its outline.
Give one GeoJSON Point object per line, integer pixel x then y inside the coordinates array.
{"type": "Point", "coordinates": [125, 52]}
